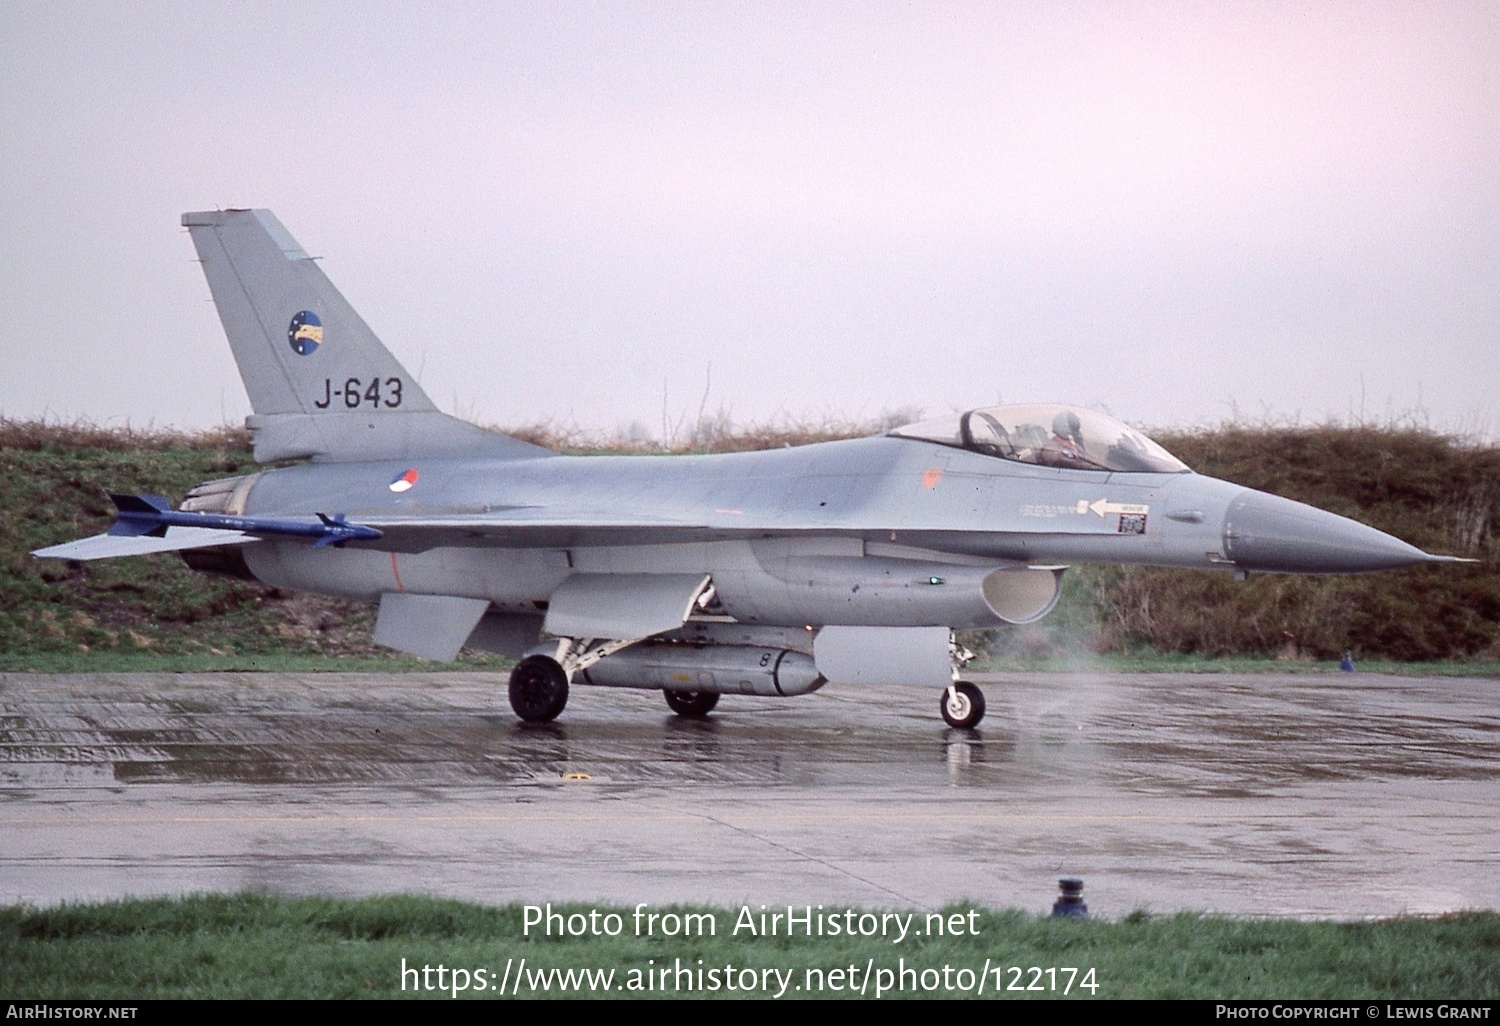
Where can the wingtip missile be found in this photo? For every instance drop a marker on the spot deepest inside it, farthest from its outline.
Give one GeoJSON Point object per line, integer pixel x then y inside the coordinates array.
{"type": "Point", "coordinates": [151, 515]}
{"type": "Point", "coordinates": [139, 515]}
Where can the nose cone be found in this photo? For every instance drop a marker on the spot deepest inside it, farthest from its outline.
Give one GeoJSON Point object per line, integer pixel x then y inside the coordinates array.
{"type": "Point", "coordinates": [1266, 532]}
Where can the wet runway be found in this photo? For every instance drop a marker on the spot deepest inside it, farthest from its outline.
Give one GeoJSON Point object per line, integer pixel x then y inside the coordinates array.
{"type": "Point", "coordinates": [1316, 795]}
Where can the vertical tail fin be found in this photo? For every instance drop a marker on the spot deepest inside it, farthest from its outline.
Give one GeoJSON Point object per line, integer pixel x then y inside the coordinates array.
{"type": "Point", "coordinates": [322, 385]}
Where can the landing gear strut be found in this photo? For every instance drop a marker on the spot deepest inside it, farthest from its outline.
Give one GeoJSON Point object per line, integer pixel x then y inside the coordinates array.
{"type": "Point", "coordinates": [692, 705]}
{"type": "Point", "coordinates": [539, 683]}
{"type": "Point", "coordinates": [538, 689]}
{"type": "Point", "coordinates": [962, 704]}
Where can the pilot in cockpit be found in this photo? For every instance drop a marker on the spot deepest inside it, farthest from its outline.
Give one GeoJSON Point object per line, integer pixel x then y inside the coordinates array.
{"type": "Point", "coordinates": [1067, 433]}
{"type": "Point", "coordinates": [1065, 448]}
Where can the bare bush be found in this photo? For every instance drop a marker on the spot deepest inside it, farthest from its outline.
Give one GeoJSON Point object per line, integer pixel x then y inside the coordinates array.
{"type": "Point", "coordinates": [34, 435]}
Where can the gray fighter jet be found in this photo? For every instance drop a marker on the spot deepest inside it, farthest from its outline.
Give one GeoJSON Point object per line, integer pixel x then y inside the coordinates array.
{"type": "Point", "coordinates": [763, 573]}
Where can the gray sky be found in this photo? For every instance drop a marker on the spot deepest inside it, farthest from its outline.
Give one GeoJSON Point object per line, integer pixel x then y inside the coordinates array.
{"type": "Point", "coordinates": [553, 210]}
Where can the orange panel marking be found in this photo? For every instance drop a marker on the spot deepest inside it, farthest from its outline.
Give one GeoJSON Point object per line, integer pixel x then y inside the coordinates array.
{"type": "Point", "coordinates": [930, 478]}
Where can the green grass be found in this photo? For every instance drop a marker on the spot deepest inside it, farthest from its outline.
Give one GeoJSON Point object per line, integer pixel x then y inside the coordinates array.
{"type": "Point", "coordinates": [239, 946]}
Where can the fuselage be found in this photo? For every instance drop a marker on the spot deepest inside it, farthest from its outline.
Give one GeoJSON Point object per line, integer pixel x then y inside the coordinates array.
{"type": "Point", "coordinates": [880, 531]}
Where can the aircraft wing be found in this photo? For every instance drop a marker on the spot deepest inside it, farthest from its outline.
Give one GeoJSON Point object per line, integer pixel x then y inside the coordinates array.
{"type": "Point", "coordinates": [104, 546]}
{"type": "Point", "coordinates": [518, 527]}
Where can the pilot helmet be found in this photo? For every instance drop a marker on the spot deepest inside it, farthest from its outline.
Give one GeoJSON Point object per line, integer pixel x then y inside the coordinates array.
{"type": "Point", "coordinates": [1067, 425]}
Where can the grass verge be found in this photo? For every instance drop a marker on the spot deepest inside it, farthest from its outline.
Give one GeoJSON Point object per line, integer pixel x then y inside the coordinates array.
{"type": "Point", "coordinates": [254, 946]}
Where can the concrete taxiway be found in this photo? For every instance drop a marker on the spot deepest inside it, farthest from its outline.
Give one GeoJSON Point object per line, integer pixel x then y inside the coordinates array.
{"type": "Point", "coordinates": [1334, 795]}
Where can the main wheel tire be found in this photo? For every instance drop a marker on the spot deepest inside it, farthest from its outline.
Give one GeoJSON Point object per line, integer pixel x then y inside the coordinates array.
{"type": "Point", "coordinates": [692, 704]}
{"type": "Point", "coordinates": [962, 705]}
{"type": "Point", "coordinates": [538, 689]}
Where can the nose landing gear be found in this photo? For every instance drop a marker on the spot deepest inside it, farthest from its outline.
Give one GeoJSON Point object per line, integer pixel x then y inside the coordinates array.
{"type": "Point", "coordinates": [962, 704]}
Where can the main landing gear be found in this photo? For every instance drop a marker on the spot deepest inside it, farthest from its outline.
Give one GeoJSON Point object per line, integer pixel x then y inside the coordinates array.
{"type": "Point", "coordinates": [962, 704]}
{"type": "Point", "coordinates": [538, 689]}
{"type": "Point", "coordinates": [539, 683]}
{"type": "Point", "coordinates": [692, 705]}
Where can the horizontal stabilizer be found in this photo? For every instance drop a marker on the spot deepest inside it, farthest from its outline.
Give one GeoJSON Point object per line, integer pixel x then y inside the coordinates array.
{"type": "Point", "coordinates": [175, 539]}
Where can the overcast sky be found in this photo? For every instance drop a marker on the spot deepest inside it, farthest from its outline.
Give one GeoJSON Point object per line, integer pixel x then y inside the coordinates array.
{"type": "Point", "coordinates": [552, 210]}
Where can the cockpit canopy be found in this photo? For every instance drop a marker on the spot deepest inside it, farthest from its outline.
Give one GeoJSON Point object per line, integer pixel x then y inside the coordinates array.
{"type": "Point", "coordinates": [1050, 436]}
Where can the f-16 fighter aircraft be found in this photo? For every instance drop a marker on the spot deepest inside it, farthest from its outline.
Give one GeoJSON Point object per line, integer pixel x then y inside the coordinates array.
{"type": "Point", "coordinates": [762, 573]}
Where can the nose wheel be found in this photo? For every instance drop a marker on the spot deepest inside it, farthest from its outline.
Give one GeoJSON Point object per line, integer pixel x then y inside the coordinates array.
{"type": "Point", "coordinates": [962, 704]}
